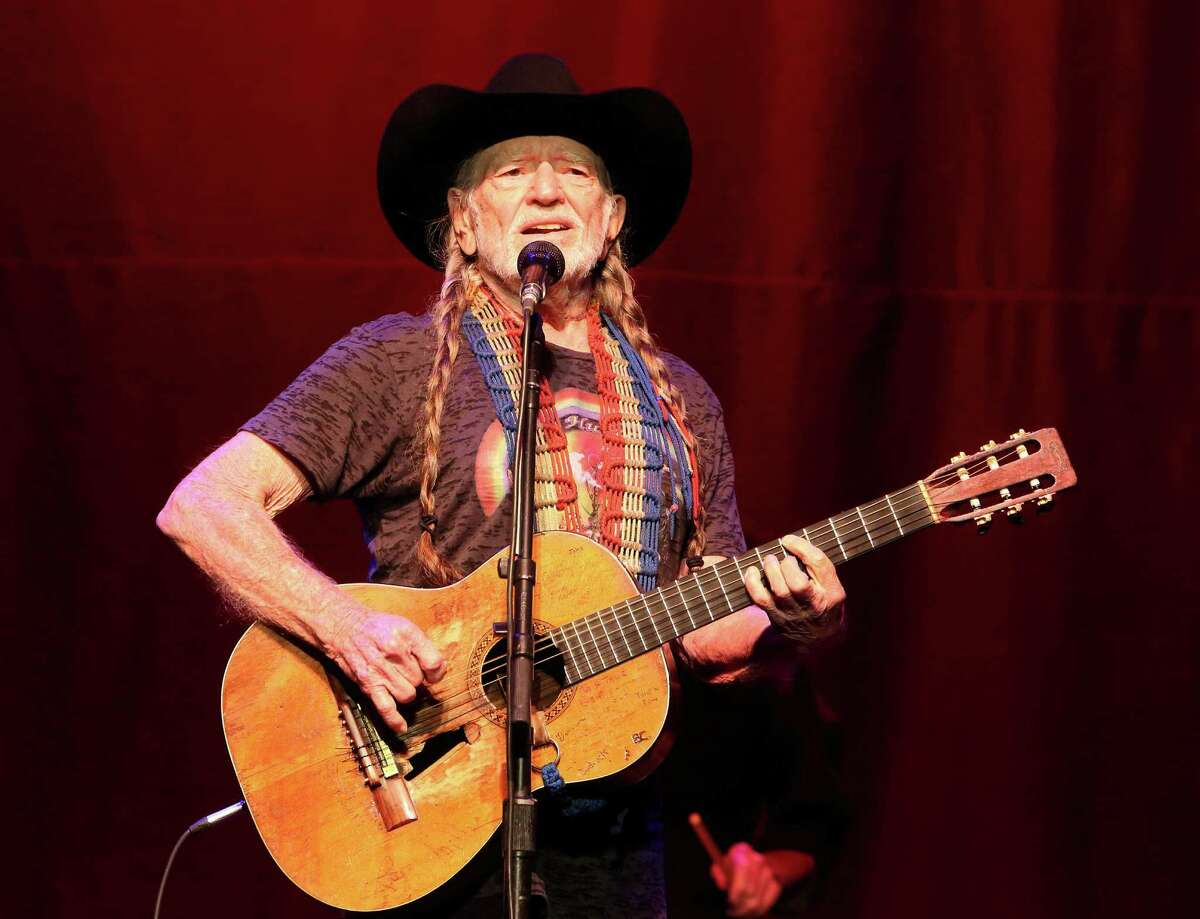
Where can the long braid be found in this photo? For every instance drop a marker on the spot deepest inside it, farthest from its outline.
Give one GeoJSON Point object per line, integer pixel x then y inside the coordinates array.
{"type": "Point", "coordinates": [446, 316]}
{"type": "Point", "coordinates": [614, 290]}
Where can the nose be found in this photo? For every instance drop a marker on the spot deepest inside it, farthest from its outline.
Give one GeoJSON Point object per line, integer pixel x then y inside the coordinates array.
{"type": "Point", "coordinates": [545, 189]}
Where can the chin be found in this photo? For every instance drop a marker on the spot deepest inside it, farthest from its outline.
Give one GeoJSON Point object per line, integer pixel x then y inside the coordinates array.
{"type": "Point", "coordinates": [579, 252]}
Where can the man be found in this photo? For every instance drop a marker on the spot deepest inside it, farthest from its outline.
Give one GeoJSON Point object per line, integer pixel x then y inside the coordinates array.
{"type": "Point", "coordinates": [412, 418]}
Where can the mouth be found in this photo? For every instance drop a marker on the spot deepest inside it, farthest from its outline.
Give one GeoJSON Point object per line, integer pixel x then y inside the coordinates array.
{"type": "Point", "coordinates": [546, 228]}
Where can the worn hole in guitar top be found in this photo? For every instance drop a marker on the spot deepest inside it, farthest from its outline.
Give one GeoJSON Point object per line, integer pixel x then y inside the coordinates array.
{"type": "Point", "coordinates": [433, 750]}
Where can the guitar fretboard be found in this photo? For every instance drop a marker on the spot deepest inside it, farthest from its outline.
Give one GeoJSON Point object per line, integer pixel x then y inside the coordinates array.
{"type": "Point", "coordinates": [605, 638]}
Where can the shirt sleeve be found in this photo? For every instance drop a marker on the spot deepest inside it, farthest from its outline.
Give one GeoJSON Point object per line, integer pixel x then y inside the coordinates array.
{"type": "Point", "coordinates": [339, 421]}
{"type": "Point", "coordinates": [722, 524]}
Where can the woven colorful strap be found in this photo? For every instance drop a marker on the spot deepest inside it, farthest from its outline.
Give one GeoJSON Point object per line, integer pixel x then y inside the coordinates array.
{"type": "Point", "coordinates": [641, 437]}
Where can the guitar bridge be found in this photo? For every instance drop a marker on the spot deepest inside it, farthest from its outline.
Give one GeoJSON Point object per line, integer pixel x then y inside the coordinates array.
{"type": "Point", "coordinates": [381, 772]}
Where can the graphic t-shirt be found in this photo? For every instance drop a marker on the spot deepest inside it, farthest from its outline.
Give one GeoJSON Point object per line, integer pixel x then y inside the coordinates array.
{"type": "Point", "coordinates": [353, 422]}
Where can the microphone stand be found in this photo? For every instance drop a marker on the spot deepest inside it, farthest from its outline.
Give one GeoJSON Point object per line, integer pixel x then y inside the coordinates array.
{"type": "Point", "coordinates": [519, 807]}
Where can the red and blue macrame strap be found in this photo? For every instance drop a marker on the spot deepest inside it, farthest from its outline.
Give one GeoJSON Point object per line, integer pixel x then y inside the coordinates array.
{"type": "Point", "coordinates": [682, 454]}
{"type": "Point", "coordinates": [631, 502]}
{"type": "Point", "coordinates": [645, 444]}
{"type": "Point", "coordinates": [494, 338]}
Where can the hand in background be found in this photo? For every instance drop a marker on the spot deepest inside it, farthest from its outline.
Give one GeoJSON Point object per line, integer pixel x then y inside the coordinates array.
{"type": "Point", "coordinates": [753, 880]}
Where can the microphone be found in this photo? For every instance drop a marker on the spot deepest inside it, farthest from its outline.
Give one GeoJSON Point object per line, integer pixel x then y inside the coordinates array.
{"type": "Point", "coordinates": [540, 264]}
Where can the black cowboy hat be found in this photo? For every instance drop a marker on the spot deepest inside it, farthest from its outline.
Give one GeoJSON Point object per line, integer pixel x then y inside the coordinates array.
{"type": "Point", "coordinates": [638, 133]}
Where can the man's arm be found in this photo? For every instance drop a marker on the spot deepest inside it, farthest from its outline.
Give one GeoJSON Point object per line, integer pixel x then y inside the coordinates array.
{"type": "Point", "coordinates": [221, 515]}
{"type": "Point", "coordinates": [796, 608]}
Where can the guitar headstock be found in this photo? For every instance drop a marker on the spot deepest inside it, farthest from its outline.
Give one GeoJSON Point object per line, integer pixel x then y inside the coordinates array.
{"type": "Point", "coordinates": [1026, 468]}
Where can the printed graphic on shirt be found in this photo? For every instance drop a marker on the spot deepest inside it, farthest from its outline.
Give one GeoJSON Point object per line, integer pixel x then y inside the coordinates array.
{"type": "Point", "coordinates": [579, 414]}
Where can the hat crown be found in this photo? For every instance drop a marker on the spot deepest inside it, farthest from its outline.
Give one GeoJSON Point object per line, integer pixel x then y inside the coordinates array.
{"type": "Point", "coordinates": [533, 73]}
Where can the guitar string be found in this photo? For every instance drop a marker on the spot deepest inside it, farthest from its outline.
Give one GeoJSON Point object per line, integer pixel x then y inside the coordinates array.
{"type": "Point", "coordinates": [431, 715]}
{"type": "Point", "coordinates": [879, 510]}
{"type": "Point", "coordinates": [697, 588]}
{"type": "Point", "coordinates": [433, 718]}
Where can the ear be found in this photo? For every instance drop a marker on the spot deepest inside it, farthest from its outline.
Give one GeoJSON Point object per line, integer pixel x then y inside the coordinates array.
{"type": "Point", "coordinates": [616, 219]}
{"type": "Point", "coordinates": [460, 221]}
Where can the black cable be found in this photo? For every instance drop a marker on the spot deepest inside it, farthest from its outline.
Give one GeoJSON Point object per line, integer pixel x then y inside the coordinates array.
{"type": "Point", "coordinates": [202, 824]}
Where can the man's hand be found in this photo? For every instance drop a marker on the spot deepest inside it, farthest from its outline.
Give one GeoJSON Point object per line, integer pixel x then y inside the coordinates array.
{"type": "Point", "coordinates": [804, 602]}
{"type": "Point", "coordinates": [745, 876]}
{"type": "Point", "coordinates": [386, 655]}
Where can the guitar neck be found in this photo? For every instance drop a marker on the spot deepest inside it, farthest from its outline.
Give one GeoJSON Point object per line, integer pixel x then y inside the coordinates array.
{"type": "Point", "coordinates": [605, 638]}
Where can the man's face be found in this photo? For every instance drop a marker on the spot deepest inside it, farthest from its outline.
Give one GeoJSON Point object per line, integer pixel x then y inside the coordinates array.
{"type": "Point", "coordinates": [538, 188]}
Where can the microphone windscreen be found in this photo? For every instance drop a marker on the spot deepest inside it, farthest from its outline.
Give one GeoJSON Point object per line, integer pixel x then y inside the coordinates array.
{"type": "Point", "coordinates": [548, 255]}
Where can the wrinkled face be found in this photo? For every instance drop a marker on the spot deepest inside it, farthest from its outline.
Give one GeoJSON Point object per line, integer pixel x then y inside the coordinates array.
{"type": "Point", "coordinates": [537, 188]}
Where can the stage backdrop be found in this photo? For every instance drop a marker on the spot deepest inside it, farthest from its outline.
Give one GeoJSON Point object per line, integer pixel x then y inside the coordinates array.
{"type": "Point", "coordinates": [914, 226]}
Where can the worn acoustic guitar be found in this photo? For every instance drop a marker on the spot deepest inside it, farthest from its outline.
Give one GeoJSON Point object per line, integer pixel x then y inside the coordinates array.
{"type": "Point", "coordinates": [365, 819]}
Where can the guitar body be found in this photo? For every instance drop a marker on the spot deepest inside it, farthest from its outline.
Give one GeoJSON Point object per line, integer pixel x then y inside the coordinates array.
{"type": "Point", "coordinates": [365, 820]}
{"type": "Point", "coordinates": [307, 794]}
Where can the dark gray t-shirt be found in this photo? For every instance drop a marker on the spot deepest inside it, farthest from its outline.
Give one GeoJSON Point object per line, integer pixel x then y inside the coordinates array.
{"type": "Point", "coordinates": [353, 421]}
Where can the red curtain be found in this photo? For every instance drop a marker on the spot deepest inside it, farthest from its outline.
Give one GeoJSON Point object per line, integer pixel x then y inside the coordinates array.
{"type": "Point", "coordinates": [914, 226]}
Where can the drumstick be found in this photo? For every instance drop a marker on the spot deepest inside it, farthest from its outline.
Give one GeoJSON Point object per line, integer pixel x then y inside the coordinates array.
{"type": "Point", "coordinates": [706, 840]}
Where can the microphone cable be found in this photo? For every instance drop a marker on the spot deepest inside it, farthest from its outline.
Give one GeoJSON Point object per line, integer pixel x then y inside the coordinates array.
{"type": "Point", "coordinates": [202, 824]}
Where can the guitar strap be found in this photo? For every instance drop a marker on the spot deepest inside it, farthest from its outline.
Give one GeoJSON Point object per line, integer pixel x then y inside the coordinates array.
{"type": "Point", "coordinates": [649, 462]}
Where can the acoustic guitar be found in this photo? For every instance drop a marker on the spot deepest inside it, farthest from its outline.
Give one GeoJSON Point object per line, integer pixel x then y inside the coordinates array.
{"type": "Point", "coordinates": [363, 818]}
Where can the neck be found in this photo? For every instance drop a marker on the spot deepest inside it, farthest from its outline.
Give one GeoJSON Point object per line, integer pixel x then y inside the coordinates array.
{"type": "Point", "coordinates": [563, 312]}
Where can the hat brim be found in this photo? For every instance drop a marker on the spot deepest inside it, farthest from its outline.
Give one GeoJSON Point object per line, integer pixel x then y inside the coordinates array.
{"type": "Point", "coordinates": [638, 133]}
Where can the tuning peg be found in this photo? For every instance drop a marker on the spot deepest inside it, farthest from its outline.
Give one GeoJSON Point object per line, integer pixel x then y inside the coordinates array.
{"type": "Point", "coordinates": [1044, 503]}
{"type": "Point", "coordinates": [1014, 513]}
{"type": "Point", "coordinates": [983, 523]}
{"type": "Point", "coordinates": [1020, 433]}
{"type": "Point", "coordinates": [988, 446]}
{"type": "Point", "coordinates": [958, 457]}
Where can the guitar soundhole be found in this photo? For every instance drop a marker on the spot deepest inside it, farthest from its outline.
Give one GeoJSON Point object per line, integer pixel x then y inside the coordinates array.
{"type": "Point", "coordinates": [550, 693]}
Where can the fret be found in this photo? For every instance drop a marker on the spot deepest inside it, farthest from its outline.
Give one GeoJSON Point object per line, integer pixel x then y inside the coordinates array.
{"type": "Point", "coordinates": [833, 526]}
{"type": "Point", "coordinates": [741, 574]}
{"type": "Point", "coordinates": [595, 643]}
{"type": "Point", "coordinates": [888, 499]}
{"type": "Point", "coordinates": [582, 647]}
{"type": "Point", "coordinates": [865, 530]}
{"type": "Point", "coordinates": [657, 616]}
{"type": "Point", "coordinates": [621, 631]}
{"type": "Point", "coordinates": [721, 584]}
{"type": "Point", "coordinates": [687, 608]}
{"type": "Point", "coordinates": [704, 596]}
{"type": "Point", "coordinates": [633, 618]}
{"type": "Point", "coordinates": [559, 639]}
{"type": "Point", "coordinates": [611, 647]}
{"type": "Point", "coordinates": [653, 624]}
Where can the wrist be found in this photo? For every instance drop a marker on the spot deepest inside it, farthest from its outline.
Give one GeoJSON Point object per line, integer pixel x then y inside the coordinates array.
{"type": "Point", "coordinates": [338, 620]}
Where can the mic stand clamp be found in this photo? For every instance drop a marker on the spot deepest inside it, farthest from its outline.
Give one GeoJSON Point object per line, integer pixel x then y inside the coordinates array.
{"type": "Point", "coordinates": [519, 807]}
